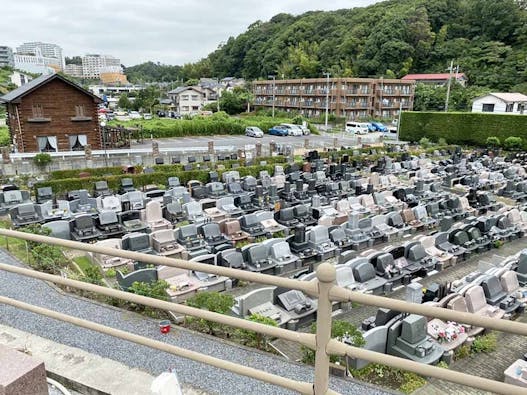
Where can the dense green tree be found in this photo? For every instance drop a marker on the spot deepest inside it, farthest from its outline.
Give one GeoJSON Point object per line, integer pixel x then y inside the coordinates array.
{"type": "Point", "coordinates": [235, 102]}
{"type": "Point", "coordinates": [124, 102]}
{"type": "Point", "coordinates": [74, 60]}
{"type": "Point", "coordinates": [487, 39]}
{"type": "Point", "coordinates": [432, 98]}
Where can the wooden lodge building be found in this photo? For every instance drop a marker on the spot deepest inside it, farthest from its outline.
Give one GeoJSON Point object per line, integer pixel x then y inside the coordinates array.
{"type": "Point", "coordinates": [52, 114]}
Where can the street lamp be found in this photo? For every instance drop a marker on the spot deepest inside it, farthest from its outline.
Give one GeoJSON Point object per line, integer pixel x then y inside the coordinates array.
{"type": "Point", "coordinates": [327, 99]}
{"type": "Point", "coordinates": [103, 130]}
{"type": "Point", "coordinates": [274, 86]}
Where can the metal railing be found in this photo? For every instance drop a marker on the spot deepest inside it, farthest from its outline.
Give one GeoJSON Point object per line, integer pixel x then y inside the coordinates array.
{"type": "Point", "coordinates": [324, 288]}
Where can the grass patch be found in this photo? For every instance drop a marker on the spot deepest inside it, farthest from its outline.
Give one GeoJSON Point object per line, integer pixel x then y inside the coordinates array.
{"type": "Point", "coordinates": [486, 343]}
{"type": "Point", "coordinates": [386, 376]}
{"type": "Point", "coordinates": [217, 124]}
{"type": "Point", "coordinates": [84, 263]}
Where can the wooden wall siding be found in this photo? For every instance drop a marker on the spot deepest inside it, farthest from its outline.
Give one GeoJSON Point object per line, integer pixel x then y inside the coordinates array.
{"type": "Point", "coordinates": [58, 100]}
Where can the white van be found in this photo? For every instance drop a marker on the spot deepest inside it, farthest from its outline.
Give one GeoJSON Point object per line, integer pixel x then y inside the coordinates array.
{"type": "Point", "coordinates": [357, 128]}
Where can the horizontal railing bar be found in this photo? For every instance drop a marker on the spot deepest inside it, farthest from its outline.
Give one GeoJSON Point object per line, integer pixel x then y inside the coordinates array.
{"type": "Point", "coordinates": [336, 347]}
{"type": "Point", "coordinates": [305, 339]}
{"type": "Point", "coordinates": [309, 287]}
{"type": "Point", "coordinates": [518, 328]}
{"type": "Point", "coordinates": [302, 387]}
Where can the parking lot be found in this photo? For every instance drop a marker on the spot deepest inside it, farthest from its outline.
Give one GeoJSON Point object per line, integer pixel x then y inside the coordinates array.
{"type": "Point", "coordinates": [315, 141]}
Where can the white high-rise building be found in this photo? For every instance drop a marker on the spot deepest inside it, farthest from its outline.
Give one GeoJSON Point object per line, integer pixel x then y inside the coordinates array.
{"type": "Point", "coordinates": [6, 57]}
{"type": "Point", "coordinates": [93, 65]}
{"type": "Point", "coordinates": [45, 50]}
{"type": "Point", "coordinates": [36, 63]}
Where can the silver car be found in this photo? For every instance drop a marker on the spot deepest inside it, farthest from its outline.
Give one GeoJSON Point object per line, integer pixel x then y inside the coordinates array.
{"type": "Point", "coordinates": [254, 131]}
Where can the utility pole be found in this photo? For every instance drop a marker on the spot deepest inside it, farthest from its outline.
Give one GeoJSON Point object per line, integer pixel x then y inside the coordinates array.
{"type": "Point", "coordinates": [218, 95]}
{"type": "Point", "coordinates": [399, 120]}
{"type": "Point", "coordinates": [274, 86]}
{"type": "Point", "coordinates": [381, 95]}
{"type": "Point", "coordinates": [450, 69]}
{"type": "Point", "coordinates": [327, 99]}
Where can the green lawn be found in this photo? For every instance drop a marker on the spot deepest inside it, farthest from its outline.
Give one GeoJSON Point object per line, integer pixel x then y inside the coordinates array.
{"type": "Point", "coordinates": [217, 124]}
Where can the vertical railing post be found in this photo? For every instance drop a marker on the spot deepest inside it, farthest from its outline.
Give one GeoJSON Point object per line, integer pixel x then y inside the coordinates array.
{"type": "Point", "coordinates": [326, 276]}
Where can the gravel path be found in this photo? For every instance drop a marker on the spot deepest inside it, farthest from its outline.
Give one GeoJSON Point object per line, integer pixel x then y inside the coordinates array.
{"type": "Point", "coordinates": [198, 375]}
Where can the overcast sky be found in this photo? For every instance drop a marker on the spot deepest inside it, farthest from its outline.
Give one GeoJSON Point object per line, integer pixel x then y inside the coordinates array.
{"type": "Point", "coordinates": [168, 31]}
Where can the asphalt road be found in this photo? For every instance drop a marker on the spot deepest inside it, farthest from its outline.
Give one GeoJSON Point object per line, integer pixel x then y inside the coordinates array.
{"type": "Point", "coordinates": [315, 141]}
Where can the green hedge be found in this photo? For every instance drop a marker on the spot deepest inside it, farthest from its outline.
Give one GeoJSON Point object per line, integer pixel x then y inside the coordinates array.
{"type": "Point", "coordinates": [118, 170]}
{"type": "Point", "coordinates": [94, 172]}
{"type": "Point", "coordinates": [461, 128]}
{"type": "Point", "coordinates": [62, 186]}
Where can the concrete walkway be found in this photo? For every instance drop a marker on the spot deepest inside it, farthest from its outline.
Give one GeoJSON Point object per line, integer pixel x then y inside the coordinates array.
{"type": "Point", "coordinates": [197, 375]}
{"type": "Point", "coordinates": [75, 365]}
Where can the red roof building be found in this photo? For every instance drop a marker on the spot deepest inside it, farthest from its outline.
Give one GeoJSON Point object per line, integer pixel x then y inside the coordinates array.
{"type": "Point", "coordinates": [437, 78]}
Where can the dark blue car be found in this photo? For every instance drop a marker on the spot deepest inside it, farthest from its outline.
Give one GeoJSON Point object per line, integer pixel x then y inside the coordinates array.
{"type": "Point", "coordinates": [278, 131]}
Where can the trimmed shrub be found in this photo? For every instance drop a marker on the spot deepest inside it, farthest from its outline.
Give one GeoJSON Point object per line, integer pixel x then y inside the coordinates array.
{"type": "Point", "coordinates": [461, 128]}
{"type": "Point", "coordinates": [512, 143]}
{"type": "Point", "coordinates": [424, 142]}
{"type": "Point", "coordinates": [42, 160]}
{"type": "Point", "coordinates": [493, 142]}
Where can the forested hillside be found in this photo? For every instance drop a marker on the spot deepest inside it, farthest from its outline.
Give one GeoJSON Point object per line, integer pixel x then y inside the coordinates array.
{"type": "Point", "coordinates": [488, 39]}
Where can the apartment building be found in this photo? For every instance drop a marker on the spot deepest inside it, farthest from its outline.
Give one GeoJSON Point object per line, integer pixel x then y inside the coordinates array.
{"type": "Point", "coordinates": [43, 50]}
{"type": "Point", "coordinates": [75, 70]}
{"type": "Point", "coordinates": [6, 57]}
{"type": "Point", "coordinates": [352, 98]}
{"type": "Point", "coordinates": [93, 65]}
{"type": "Point", "coordinates": [36, 64]}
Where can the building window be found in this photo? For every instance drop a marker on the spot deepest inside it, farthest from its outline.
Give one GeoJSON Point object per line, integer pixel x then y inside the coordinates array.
{"type": "Point", "coordinates": [38, 111]}
{"type": "Point", "coordinates": [184, 97]}
{"type": "Point", "coordinates": [78, 142]}
{"type": "Point", "coordinates": [487, 107]}
{"type": "Point", "coordinates": [194, 97]}
{"type": "Point", "coordinates": [79, 110]}
{"type": "Point", "coordinates": [509, 107]}
{"type": "Point", "coordinates": [47, 144]}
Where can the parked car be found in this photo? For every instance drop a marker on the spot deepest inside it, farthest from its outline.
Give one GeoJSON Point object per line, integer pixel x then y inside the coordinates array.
{"type": "Point", "coordinates": [356, 127]}
{"type": "Point", "coordinates": [379, 127]}
{"type": "Point", "coordinates": [371, 128]}
{"type": "Point", "coordinates": [279, 130]}
{"type": "Point", "coordinates": [134, 115]}
{"type": "Point", "coordinates": [161, 114]}
{"type": "Point", "coordinates": [305, 130]}
{"type": "Point", "coordinates": [292, 130]}
{"type": "Point", "coordinates": [254, 131]}
{"type": "Point", "coordinates": [147, 116]}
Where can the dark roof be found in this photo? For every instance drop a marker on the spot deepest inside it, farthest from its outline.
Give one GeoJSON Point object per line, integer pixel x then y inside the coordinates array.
{"type": "Point", "coordinates": [184, 88]}
{"type": "Point", "coordinates": [37, 83]}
